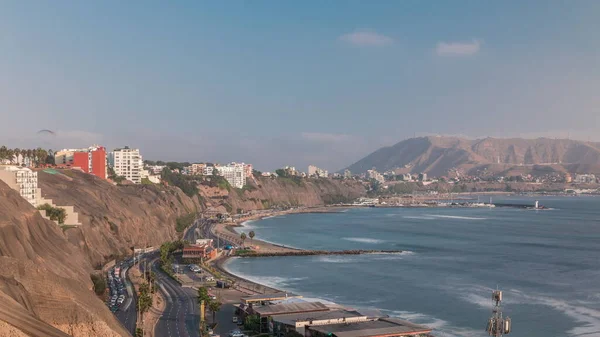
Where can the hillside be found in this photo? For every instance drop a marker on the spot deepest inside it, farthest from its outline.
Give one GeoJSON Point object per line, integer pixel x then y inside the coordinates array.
{"type": "Point", "coordinates": [262, 193]}
{"type": "Point", "coordinates": [438, 155]}
{"type": "Point", "coordinates": [45, 285]}
{"type": "Point", "coordinates": [116, 218]}
{"type": "Point", "coordinates": [45, 271]}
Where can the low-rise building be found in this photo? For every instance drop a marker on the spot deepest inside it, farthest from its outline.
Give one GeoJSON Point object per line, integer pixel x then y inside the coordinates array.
{"type": "Point", "coordinates": [314, 171]}
{"type": "Point", "coordinates": [585, 179]}
{"type": "Point", "coordinates": [347, 174]}
{"type": "Point", "coordinates": [283, 324]}
{"type": "Point", "coordinates": [200, 252]}
{"type": "Point", "coordinates": [197, 169]}
{"type": "Point", "coordinates": [381, 327]}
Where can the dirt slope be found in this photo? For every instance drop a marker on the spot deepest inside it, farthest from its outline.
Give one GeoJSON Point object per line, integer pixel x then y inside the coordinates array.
{"type": "Point", "coordinates": [44, 279]}
{"type": "Point", "coordinates": [284, 192]}
{"type": "Point", "coordinates": [116, 218]}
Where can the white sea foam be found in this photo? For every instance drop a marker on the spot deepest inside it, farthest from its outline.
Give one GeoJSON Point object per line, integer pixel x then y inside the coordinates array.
{"type": "Point", "coordinates": [364, 240]}
{"type": "Point", "coordinates": [441, 327]}
{"type": "Point", "coordinates": [336, 258]}
{"type": "Point", "coordinates": [455, 217]}
{"type": "Point", "coordinates": [588, 318]}
{"type": "Point", "coordinates": [421, 217]}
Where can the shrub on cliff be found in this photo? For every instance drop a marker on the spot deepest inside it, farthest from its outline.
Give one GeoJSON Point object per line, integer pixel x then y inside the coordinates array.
{"type": "Point", "coordinates": [99, 284]}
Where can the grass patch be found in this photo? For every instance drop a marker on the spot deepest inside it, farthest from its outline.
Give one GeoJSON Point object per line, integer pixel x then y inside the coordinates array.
{"type": "Point", "coordinates": [244, 252]}
{"type": "Point", "coordinates": [184, 222]}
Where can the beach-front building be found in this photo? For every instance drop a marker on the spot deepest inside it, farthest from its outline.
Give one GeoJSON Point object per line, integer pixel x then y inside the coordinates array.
{"type": "Point", "coordinates": [127, 163]}
{"type": "Point", "coordinates": [380, 327]}
{"type": "Point", "coordinates": [283, 324]}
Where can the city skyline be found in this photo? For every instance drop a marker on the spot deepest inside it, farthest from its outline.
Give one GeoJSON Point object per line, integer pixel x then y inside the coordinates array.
{"type": "Point", "coordinates": [279, 84]}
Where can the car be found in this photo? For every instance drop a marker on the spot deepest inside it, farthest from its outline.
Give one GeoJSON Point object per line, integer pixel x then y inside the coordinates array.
{"type": "Point", "coordinates": [121, 300]}
{"type": "Point", "coordinates": [236, 333]}
{"type": "Point", "coordinates": [235, 319]}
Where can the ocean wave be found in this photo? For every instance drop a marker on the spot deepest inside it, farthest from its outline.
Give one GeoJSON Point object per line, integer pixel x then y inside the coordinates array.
{"type": "Point", "coordinates": [421, 217]}
{"type": "Point", "coordinates": [364, 240]}
{"type": "Point", "coordinates": [588, 317]}
{"type": "Point", "coordinates": [336, 259]}
{"type": "Point", "coordinates": [441, 327]}
{"type": "Point", "coordinates": [455, 217]}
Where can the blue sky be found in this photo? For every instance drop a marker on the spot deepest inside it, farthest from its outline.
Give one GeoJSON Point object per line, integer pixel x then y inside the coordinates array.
{"type": "Point", "coordinates": [281, 83]}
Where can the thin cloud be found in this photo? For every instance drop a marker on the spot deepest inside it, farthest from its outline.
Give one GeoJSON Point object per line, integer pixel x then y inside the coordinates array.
{"type": "Point", "coordinates": [366, 38]}
{"type": "Point", "coordinates": [458, 48]}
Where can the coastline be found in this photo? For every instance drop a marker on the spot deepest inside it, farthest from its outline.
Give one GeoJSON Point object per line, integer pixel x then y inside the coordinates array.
{"type": "Point", "coordinates": [227, 230]}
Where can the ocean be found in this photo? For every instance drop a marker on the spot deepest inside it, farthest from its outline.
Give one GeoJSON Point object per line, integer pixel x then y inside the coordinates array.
{"type": "Point", "coordinates": [547, 262]}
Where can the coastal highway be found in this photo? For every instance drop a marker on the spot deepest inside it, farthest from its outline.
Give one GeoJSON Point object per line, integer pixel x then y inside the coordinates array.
{"type": "Point", "coordinates": [181, 317]}
{"type": "Point", "coordinates": [127, 313]}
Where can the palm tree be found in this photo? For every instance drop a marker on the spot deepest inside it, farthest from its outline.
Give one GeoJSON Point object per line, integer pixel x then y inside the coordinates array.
{"type": "Point", "coordinates": [243, 237]}
{"type": "Point", "coordinates": [3, 152]}
{"type": "Point", "coordinates": [10, 154]}
{"type": "Point", "coordinates": [214, 306]}
{"type": "Point", "coordinates": [29, 155]}
{"type": "Point", "coordinates": [16, 153]}
{"type": "Point", "coordinates": [251, 235]}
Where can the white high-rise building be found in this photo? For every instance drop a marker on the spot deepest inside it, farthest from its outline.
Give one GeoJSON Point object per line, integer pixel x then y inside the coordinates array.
{"type": "Point", "coordinates": [234, 173]}
{"type": "Point", "coordinates": [23, 180]}
{"type": "Point", "coordinates": [127, 163]}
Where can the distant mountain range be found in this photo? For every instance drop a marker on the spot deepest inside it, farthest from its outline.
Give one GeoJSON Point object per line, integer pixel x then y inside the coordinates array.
{"type": "Point", "coordinates": [439, 155]}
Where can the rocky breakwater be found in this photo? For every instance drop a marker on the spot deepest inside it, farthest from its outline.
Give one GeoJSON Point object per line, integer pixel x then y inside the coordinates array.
{"type": "Point", "coordinates": [45, 284]}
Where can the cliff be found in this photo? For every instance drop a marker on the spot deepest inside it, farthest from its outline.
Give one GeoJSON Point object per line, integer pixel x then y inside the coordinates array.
{"type": "Point", "coordinates": [263, 193]}
{"type": "Point", "coordinates": [45, 285]}
{"type": "Point", "coordinates": [116, 218]}
{"type": "Point", "coordinates": [439, 155]}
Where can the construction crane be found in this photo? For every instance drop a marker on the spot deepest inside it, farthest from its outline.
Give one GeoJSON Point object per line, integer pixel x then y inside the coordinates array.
{"type": "Point", "coordinates": [497, 324]}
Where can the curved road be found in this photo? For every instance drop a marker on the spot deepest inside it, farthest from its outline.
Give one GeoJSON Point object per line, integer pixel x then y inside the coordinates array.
{"type": "Point", "coordinates": [181, 316]}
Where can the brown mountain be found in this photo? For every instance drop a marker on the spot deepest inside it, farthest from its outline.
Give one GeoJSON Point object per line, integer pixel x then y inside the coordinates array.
{"type": "Point", "coordinates": [438, 155]}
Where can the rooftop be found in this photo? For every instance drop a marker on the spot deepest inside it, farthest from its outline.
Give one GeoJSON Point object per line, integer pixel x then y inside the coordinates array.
{"type": "Point", "coordinates": [292, 319]}
{"type": "Point", "coordinates": [380, 327]}
{"type": "Point", "coordinates": [290, 308]}
{"type": "Point", "coordinates": [268, 297]}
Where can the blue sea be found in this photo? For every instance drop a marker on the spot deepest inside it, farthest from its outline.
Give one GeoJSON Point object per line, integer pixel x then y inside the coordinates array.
{"type": "Point", "coordinates": [547, 262]}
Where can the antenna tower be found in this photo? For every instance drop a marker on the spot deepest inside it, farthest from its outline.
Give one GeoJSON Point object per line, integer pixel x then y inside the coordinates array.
{"type": "Point", "coordinates": [497, 324]}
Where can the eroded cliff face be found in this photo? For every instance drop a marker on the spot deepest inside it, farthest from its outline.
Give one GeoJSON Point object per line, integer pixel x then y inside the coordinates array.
{"type": "Point", "coordinates": [45, 287]}
{"type": "Point", "coordinates": [116, 218]}
{"type": "Point", "coordinates": [262, 193]}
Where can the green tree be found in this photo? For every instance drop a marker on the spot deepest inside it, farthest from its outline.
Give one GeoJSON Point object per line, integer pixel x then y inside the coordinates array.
{"type": "Point", "coordinates": [243, 237]}
{"type": "Point", "coordinates": [144, 300]}
{"type": "Point", "coordinates": [251, 235]}
{"type": "Point", "coordinates": [203, 296]}
{"type": "Point", "coordinates": [214, 307]}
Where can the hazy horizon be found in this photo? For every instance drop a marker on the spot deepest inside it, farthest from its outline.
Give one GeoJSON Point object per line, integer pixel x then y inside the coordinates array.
{"type": "Point", "coordinates": [277, 84]}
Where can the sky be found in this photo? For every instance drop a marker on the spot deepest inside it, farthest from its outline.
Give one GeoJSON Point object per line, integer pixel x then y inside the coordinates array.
{"type": "Point", "coordinates": [278, 83]}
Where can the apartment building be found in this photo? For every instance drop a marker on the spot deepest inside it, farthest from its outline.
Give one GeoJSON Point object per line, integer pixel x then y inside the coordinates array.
{"type": "Point", "coordinates": [314, 171]}
{"type": "Point", "coordinates": [91, 160]}
{"type": "Point", "coordinates": [22, 180]}
{"type": "Point", "coordinates": [127, 163]}
{"type": "Point", "coordinates": [234, 173]}
{"type": "Point", "coordinates": [197, 169]}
